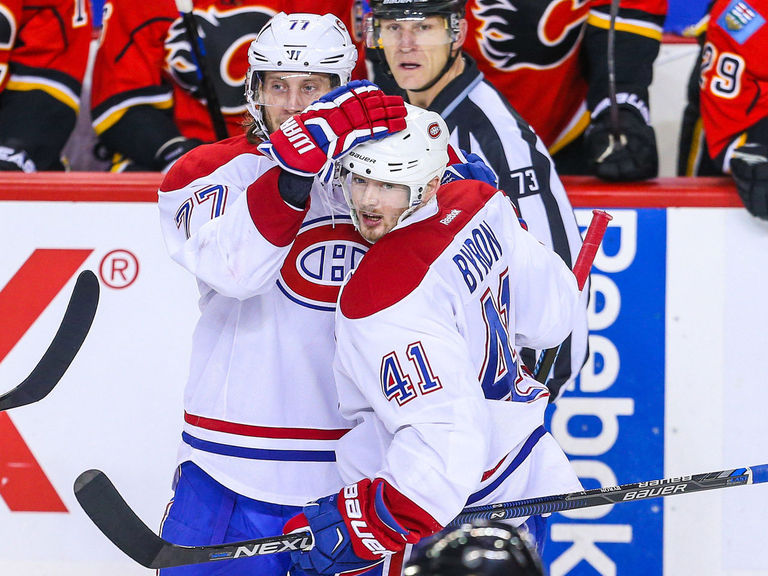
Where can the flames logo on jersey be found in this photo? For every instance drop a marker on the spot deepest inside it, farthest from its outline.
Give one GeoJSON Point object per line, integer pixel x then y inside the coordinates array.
{"type": "Point", "coordinates": [320, 259]}
{"type": "Point", "coordinates": [226, 35]}
{"type": "Point", "coordinates": [537, 34]}
{"type": "Point", "coordinates": [7, 38]}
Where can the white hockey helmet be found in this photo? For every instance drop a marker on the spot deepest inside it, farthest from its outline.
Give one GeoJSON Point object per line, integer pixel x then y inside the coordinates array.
{"type": "Point", "coordinates": [298, 43]}
{"type": "Point", "coordinates": [412, 157]}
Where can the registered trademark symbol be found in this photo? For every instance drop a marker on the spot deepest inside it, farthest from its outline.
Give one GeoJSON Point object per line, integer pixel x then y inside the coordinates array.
{"type": "Point", "coordinates": [119, 269]}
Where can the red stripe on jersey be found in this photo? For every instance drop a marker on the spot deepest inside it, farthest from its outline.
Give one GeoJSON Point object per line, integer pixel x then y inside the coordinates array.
{"type": "Point", "coordinates": [204, 159]}
{"type": "Point", "coordinates": [264, 431]}
{"type": "Point", "coordinates": [488, 473]}
{"type": "Point", "coordinates": [277, 221]}
{"type": "Point", "coordinates": [397, 263]}
{"type": "Point", "coordinates": [655, 7]}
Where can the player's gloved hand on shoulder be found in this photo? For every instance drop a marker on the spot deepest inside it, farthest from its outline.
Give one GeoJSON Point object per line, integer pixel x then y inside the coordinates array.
{"type": "Point", "coordinates": [171, 151]}
{"type": "Point", "coordinates": [358, 528]}
{"type": "Point", "coordinates": [633, 157]}
{"type": "Point", "coordinates": [306, 143]}
{"type": "Point", "coordinates": [749, 168]}
{"type": "Point", "coordinates": [473, 168]}
{"type": "Point", "coordinates": [12, 160]}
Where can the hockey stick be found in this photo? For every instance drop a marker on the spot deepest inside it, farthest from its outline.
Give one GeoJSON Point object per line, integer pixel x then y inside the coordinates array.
{"type": "Point", "coordinates": [616, 494]}
{"type": "Point", "coordinates": [618, 143]}
{"type": "Point", "coordinates": [581, 268]}
{"type": "Point", "coordinates": [62, 350]}
{"type": "Point", "coordinates": [112, 515]}
{"type": "Point", "coordinates": [107, 509]}
{"type": "Point", "coordinates": [198, 52]}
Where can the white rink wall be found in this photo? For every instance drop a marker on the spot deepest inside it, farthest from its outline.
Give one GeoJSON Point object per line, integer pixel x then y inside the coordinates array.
{"type": "Point", "coordinates": [717, 337]}
{"type": "Point", "coordinates": [119, 407]}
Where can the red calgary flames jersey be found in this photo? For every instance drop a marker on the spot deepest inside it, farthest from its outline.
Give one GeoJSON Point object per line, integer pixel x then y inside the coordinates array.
{"type": "Point", "coordinates": [530, 50]}
{"type": "Point", "coordinates": [734, 72]}
{"type": "Point", "coordinates": [145, 58]}
{"type": "Point", "coordinates": [44, 46]}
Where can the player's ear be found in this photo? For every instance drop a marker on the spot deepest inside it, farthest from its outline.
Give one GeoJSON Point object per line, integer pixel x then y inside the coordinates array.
{"type": "Point", "coordinates": [431, 190]}
{"type": "Point", "coordinates": [462, 35]}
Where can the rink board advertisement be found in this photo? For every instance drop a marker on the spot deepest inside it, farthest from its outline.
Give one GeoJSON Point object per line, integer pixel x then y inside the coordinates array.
{"type": "Point", "coordinates": [675, 385]}
{"type": "Point", "coordinates": [615, 403]}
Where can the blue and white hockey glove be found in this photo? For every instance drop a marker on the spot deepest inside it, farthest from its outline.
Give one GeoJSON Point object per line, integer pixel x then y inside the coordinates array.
{"type": "Point", "coordinates": [306, 143]}
{"type": "Point", "coordinates": [358, 528]}
{"type": "Point", "coordinates": [472, 168]}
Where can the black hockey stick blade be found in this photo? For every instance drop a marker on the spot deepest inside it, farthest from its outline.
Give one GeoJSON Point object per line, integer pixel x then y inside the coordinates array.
{"type": "Point", "coordinates": [108, 510]}
{"type": "Point", "coordinates": [615, 494]}
{"type": "Point", "coordinates": [65, 345]}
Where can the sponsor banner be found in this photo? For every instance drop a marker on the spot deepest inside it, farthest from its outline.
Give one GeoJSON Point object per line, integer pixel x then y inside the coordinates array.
{"type": "Point", "coordinates": [612, 424]}
{"type": "Point", "coordinates": [118, 408]}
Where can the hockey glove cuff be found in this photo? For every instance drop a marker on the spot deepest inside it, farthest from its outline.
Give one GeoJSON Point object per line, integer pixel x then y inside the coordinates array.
{"type": "Point", "coordinates": [631, 156]}
{"type": "Point", "coordinates": [294, 189]}
{"type": "Point", "coordinates": [358, 528]}
{"type": "Point", "coordinates": [749, 167]}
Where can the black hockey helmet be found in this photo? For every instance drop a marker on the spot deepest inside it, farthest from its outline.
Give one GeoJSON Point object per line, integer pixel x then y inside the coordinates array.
{"type": "Point", "coordinates": [481, 549]}
{"type": "Point", "coordinates": [415, 8]}
{"type": "Point", "coordinates": [452, 10]}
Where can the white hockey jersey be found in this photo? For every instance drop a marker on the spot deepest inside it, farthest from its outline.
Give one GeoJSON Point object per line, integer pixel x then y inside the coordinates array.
{"type": "Point", "coordinates": [426, 332]}
{"type": "Point", "coordinates": [261, 411]}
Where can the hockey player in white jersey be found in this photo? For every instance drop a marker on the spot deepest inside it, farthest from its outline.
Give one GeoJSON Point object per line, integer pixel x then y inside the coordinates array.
{"type": "Point", "coordinates": [269, 244]}
{"type": "Point", "coordinates": [421, 44]}
{"type": "Point", "coordinates": [426, 329]}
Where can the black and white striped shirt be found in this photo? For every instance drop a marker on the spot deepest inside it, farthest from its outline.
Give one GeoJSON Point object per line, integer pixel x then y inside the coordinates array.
{"type": "Point", "coordinates": [482, 121]}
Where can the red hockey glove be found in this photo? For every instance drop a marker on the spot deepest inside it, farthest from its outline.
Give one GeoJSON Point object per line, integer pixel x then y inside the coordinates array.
{"type": "Point", "coordinates": [357, 528]}
{"type": "Point", "coordinates": [329, 127]}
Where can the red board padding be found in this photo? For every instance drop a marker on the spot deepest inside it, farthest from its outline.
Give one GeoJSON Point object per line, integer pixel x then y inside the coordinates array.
{"type": "Point", "coordinates": [584, 191]}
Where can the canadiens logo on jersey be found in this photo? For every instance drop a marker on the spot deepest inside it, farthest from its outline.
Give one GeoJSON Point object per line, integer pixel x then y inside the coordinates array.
{"type": "Point", "coordinates": [321, 257]}
{"type": "Point", "coordinates": [226, 35]}
{"type": "Point", "coordinates": [516, 34]}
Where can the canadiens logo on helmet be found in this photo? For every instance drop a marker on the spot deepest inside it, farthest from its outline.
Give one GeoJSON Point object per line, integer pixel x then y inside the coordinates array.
{"type": "Point", "coordinates": [529, 33]}
{"type": "Point", "coordinates": [321, 257]}
{"type": "Point", "coordinates": [434, 130]}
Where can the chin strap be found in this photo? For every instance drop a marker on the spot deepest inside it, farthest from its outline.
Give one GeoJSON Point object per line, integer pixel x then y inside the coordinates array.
{"type": "Point", "coordinates": [436, 79]}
